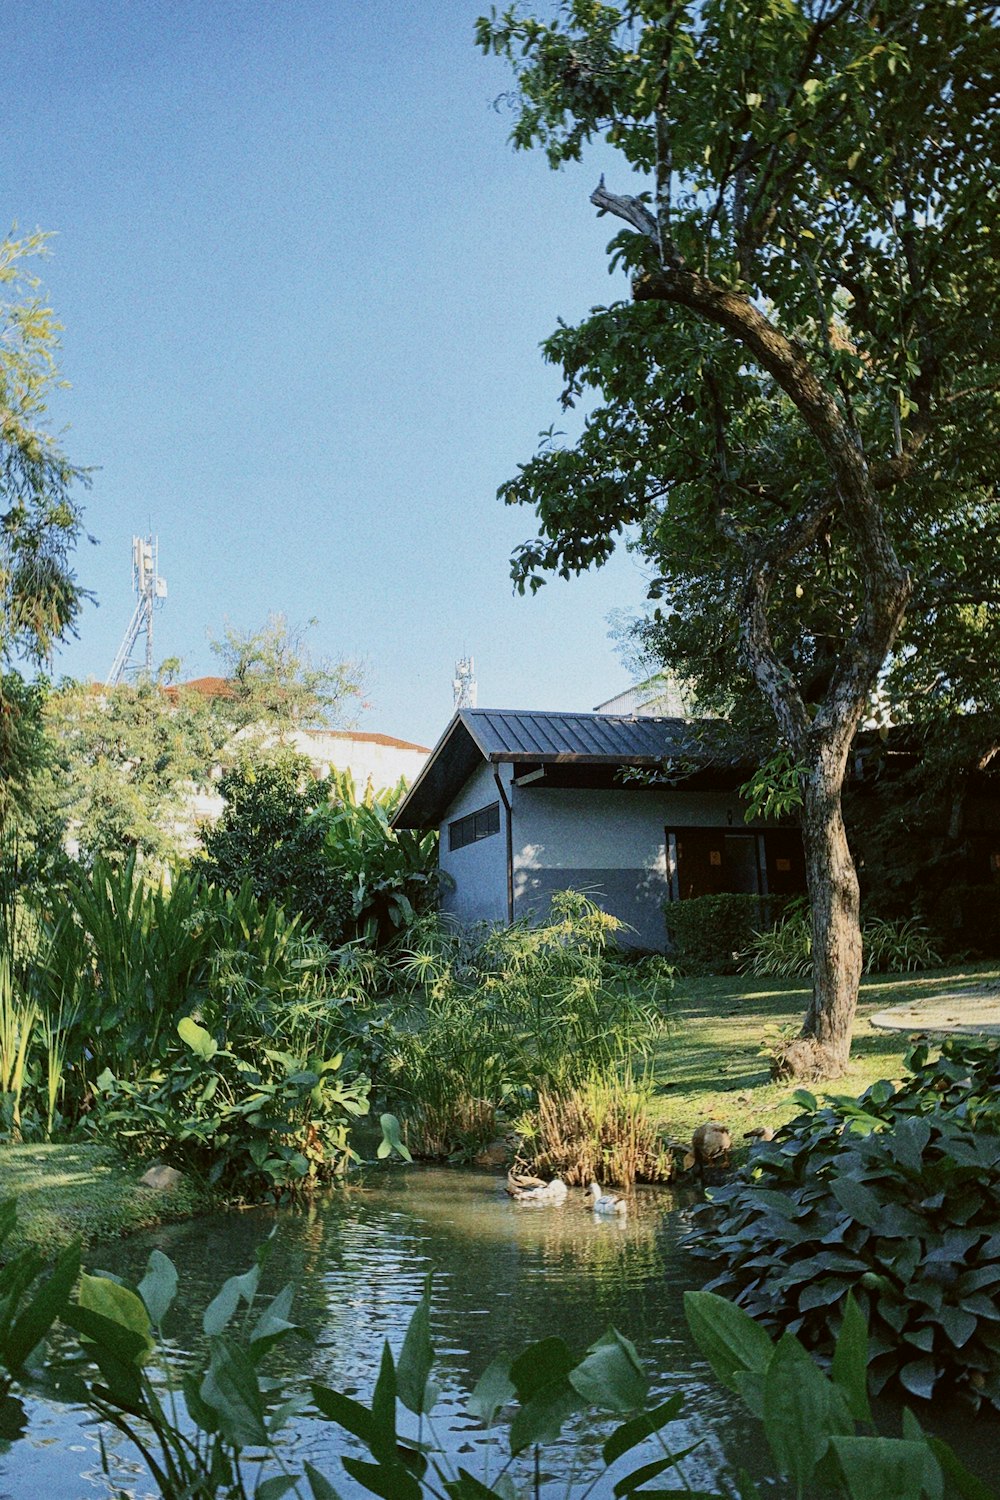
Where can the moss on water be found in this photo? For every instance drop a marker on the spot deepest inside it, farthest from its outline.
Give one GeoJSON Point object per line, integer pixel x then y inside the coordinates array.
{"type": "Point", "coordinates": [67, 1190]}
{"type": "Point", "coordinates": [712, 1065]}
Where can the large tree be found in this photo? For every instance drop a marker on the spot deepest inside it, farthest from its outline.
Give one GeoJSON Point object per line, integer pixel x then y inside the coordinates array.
{"type": "Point", "coordinates": [795, 413]}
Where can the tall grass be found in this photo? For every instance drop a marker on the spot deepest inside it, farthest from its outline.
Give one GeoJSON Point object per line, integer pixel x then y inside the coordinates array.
{"type": "Point", "coordinates": [600, 1130]}
{"type": "Point", "coordinates": [484, 1027]}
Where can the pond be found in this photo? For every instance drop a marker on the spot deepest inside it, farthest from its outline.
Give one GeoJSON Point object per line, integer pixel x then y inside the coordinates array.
{"type": "Point", "coordinates": [504, 1275]}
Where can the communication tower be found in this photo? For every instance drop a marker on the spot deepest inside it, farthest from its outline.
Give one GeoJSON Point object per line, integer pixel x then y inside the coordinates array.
{"type": "Point", "coordinates": [150, 589]}
{"type": "Point", "coordinates": [464, 683]}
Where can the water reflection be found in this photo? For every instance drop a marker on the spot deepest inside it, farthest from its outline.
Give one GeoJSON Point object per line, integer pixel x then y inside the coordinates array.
{"type": "Point", "coordinates": [504, 1275]}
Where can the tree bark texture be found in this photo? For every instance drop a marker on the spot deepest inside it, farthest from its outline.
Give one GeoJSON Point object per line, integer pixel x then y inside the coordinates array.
{"type": "Point", "coordinates": [823, 1048]}
{"type": "Point", "coordinates": [820, 739]}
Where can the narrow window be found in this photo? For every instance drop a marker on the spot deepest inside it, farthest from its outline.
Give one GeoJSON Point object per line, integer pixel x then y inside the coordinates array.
{"type": "Point", "coordinates": [475, 826]}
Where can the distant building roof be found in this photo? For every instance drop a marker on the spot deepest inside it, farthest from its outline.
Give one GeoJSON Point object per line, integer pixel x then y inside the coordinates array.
{"type": "Point", "coordinates": [663, 695]}
{"type": "Point", "coordinates": [539, 739]}
{"type": "Point", "coordinates": [362, 737]}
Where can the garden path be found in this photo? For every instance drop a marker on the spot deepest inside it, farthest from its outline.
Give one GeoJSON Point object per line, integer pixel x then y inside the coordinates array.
{"type": "Point", "coordinates": [960, 1012]}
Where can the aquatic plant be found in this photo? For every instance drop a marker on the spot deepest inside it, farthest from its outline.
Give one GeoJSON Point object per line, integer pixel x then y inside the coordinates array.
{"type": "Point", "coordinates": [203, 1430]}
{"type": "Point", "coordinates": [599, 1128]}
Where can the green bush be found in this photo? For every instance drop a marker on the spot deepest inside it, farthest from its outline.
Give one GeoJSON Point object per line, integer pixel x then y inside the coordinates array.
{"type": "Point", "coordinates": [708, 934]}
{"type": "Point", "coordinates": [243, 1128]}
{"type": "Point", "coordinates": [889, 947]}
{"type": "Point", "coordinates": [895, 1198]}
{"type": "Point", "coordinates": [486, 1023]}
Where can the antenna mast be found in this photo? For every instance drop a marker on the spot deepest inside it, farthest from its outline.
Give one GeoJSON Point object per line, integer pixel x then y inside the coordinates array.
{"type": "Point", "coordinates": [464, 683]}
{"type": "Point", "coordinates": [149, 587]}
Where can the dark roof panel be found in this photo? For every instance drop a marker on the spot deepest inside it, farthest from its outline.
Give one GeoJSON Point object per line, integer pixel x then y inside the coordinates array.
{"type": "Point", "coordinates": [508, 736]}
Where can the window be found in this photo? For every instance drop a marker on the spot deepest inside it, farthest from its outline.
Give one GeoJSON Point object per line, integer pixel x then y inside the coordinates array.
{"type": "Point", "coordinates": [478, 825]}
{"type": "Point", "coordinates": [709, 861]}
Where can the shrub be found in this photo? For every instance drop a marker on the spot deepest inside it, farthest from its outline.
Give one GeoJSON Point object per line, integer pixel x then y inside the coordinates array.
{"type": "Point", "coordinates": [490, 1023]}
{"type": "Point", "coordinates": [894, 1197]}
{"type": "Point", "coordinates": [597, 1131]}
{"type": "Point", "coordinates": [708, 934]}
{"type": "Point", "coordinates": [243, 1129]}
{"type": "Point", "coordinates": [890, 947]}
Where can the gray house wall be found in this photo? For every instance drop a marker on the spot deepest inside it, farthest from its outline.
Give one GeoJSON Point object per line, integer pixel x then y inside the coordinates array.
{"type": "Point", "coordinates": [479, 871]}
{"type": "Point", "coordinates": [610, 844]}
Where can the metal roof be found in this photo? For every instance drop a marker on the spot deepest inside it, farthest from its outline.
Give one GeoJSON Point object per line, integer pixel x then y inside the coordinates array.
{"type": "Point", "coordinates": [511, 736]}
{"type": "Point", "coordinates": [505, 735]}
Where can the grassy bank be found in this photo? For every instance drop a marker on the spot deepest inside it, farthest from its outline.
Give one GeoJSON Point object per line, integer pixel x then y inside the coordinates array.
{"type": "Point", "coordinates": [69, 1190]}
{"type": "Point", "coordinates": [712, 1065]}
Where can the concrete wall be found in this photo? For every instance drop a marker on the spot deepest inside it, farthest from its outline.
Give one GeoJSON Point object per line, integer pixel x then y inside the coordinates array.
{"type": "Point", "coordinates": [479, 871]}
{"type": "Point", "coordinates": [610, 844]}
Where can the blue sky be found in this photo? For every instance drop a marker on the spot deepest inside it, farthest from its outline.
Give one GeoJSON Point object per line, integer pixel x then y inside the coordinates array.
{"type": "Point", "coordinates": [303, 278]}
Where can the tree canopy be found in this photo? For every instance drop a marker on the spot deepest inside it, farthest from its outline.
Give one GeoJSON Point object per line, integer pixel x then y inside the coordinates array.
{"type": "Point", "coordinates": [40, 597]}
{"type": "Point", "coordinates": [273, 677]}
{"type": "Point", "coordinates": [794, 415]}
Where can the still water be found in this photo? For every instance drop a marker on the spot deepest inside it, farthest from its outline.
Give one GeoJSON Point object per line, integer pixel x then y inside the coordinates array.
{"type": "Point", "coordinates": [504, 1275]}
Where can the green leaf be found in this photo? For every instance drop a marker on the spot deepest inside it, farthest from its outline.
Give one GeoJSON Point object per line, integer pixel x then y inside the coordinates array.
{"type": "Point", "coordinates": [850, 1361]}
{"type": "Point", "coordinates": [219, 1312]}
{"type": "Point", "coordinates": [610, 1375]}
{"type": "Point", "coordinates": [48, 1303]}
{"type": "Point", "coordinates": [120, 1306]}
{"type": "Point", "coordinates": [630, 1434]}
{"type": "Point", "coordinates": [391, 1139]}
{"type": "Point", "coordinates": [416, 1359]}
{"type": "Point", "coordinates": [200, 1041]}
{"type": "Point", "coordinates": [273, 1323]}
{"type": "Point", "coordinates": [858, 1201]}
{"type": "Point", "coordinates": [159, 1286]}
{"type": "Point", "coordinates": [494, 1390]}
{"type": "Point", "coordinates": [231, 1389]}
{"type": "Point", "coordinates": [539, 1365]}
{"type": "Point", "coordinates": [540, 1419]}
{"type": "Point", "coordinates": [391, 1481]}
{"type": "Point", "coordinates": [319, 1486]}
{"type": "Point", "coordinates": [203, 1416]}
{"type": "Point", "coordinates": [275, 1487]}
{"type": "Point", "coordinates": [347, 1413]}
{"type": "Point", "coordinates": [384, 1405]}
{"type": "Point", "coordinates": [629, 1483]}
{"type": "Point", "coordinates": [879, 1468]}
{"type": "Point", "coordinates": [801, 1411]}
{"type": "Point", "coordinates": [727, 1336]}
{"type": "Point", "coordinates": [919, 1377]}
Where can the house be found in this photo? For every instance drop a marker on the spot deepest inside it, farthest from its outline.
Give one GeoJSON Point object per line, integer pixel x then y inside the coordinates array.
{"type": "Point", "coordinates": [635, 810]}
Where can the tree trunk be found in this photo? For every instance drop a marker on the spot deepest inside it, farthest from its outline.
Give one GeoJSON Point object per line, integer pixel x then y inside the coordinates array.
{"type": "Point", "coordinates": [823, 1046]}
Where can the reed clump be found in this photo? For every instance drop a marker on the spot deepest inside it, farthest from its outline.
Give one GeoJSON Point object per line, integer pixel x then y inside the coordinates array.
{"type": "Point", "coordinates": [598, 1131]}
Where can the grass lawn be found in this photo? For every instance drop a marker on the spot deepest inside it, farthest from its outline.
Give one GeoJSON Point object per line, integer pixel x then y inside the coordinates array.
{"type": "Point", "coordinates": [69, 1190]}
{"type": "Point", "coordinates": [711, 1065]}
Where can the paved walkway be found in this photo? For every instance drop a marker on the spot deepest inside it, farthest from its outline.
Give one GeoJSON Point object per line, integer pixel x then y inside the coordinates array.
{"type": "Point", "coordinates": [962, 1012]}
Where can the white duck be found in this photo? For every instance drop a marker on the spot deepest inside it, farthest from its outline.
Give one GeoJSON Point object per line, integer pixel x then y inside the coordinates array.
{"type": "Point", "coordinates": [547, 1192]}
{"type": "Point", "coordinates": [606, 1203]}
